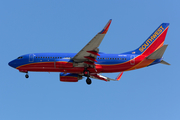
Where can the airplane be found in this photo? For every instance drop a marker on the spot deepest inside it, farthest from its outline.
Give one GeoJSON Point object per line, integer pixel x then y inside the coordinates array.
{"type": "Point", "coordinates": [89, 62]}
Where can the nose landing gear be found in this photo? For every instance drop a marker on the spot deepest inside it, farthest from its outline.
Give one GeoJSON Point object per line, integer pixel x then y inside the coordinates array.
{"type": "Point", "coordinates": [27, 76]}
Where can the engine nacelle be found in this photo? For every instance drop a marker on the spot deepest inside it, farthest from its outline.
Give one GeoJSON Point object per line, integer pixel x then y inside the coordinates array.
{"type": "Point", "coordinates": [69, 77]}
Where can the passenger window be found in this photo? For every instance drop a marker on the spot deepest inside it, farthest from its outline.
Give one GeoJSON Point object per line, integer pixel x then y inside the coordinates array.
{"type": "Point", "coordinates": [122, 58]}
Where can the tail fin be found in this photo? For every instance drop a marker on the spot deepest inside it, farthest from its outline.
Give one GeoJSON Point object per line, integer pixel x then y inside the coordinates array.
{"type": "Point", "coordinates": [155, 41]}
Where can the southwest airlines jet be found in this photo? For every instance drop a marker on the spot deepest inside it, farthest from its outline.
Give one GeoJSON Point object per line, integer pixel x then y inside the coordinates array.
{"type": "Point", "coordinates": [89, 62]}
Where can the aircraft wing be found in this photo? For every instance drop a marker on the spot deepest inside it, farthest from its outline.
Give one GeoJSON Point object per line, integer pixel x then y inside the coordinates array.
{"type": "Point", "coordinates": [89, 53]}
{"type": "Point", "coordinates": [101, 77]}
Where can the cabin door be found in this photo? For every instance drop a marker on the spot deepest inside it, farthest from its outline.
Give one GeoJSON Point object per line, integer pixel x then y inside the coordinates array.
{"type": "Point", "coordinates": [31, 57]}
{"type": "Point", "coordinates": [132, 61]}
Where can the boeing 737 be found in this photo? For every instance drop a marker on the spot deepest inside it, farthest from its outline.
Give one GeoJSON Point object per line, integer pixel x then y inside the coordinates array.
{"type": "Point", "coordinates": [89, 62]}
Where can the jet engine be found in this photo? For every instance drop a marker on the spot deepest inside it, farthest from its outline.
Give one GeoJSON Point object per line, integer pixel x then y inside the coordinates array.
{"type": "Point", "coordinates": [69, 77]}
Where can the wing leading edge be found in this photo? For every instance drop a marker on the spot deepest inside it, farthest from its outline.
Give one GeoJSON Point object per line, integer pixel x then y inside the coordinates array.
{"type": "Point", "coordinates": [89, 53]}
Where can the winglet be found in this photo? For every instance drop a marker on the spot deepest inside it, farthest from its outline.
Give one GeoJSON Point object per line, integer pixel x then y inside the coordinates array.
{"type": "Point", "coordinates": [105, 29]}
{"type": "Point", "coordinates": [119, 76]}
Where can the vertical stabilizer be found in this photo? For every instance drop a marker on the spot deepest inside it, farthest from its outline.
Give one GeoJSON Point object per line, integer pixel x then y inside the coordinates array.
{"type": "Point", "coordinates": [155, 41]}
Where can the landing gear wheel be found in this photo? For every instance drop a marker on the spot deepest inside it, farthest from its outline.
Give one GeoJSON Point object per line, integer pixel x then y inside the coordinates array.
{"type": "Point", "coordinates": [88, 81]}
{"type": "Point", "coordinates": [27, 76]}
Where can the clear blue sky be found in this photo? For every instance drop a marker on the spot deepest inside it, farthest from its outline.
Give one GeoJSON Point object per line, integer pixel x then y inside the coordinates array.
{"type": "Point", "coordinates": [31, 26]}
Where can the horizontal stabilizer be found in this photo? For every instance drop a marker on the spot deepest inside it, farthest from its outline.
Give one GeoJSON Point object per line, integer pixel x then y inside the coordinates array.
{"type": "Point", "coordinates": [158, 53]}
{"type": "Point", "coordinates": [164, 62]}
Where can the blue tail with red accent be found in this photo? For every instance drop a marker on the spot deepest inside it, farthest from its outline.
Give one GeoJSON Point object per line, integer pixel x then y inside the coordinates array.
{"type": "Point", "coordinates": [154, 41]}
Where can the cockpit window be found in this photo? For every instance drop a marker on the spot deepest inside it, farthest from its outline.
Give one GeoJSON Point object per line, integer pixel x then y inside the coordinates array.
{"type": "Point", "coordinates": [19, 57]}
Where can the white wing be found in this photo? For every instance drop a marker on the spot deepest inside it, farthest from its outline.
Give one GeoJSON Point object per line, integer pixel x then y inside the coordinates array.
{"type": "Point", "coordinates": [89, 53]}
{"type": "Point", "coordinates": [101, 77]}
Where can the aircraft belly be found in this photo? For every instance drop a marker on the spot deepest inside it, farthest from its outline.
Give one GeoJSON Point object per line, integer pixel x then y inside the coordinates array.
{"type": "Point", "coordinates": [56, 67]}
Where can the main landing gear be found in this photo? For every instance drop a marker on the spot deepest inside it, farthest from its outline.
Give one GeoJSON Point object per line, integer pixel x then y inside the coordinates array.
{"type": "Point", "coordinates": [88, 80]}
{"type": "Point", "coordinates": [27, 76]}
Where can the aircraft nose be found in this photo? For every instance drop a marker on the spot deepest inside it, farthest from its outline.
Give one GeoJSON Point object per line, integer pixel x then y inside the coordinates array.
{"type": "Point", "coordinates": [12, 63]}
